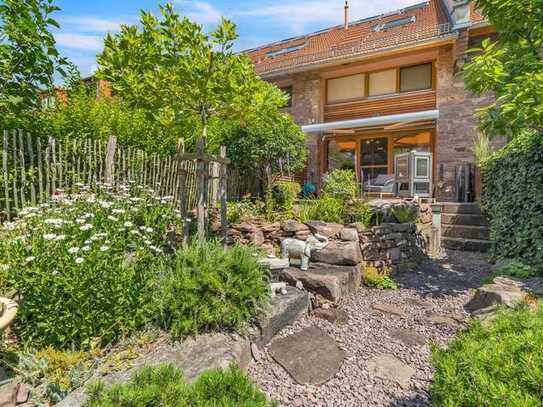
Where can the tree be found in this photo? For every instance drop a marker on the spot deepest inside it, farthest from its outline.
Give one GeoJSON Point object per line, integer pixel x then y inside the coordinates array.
{"type": "Point", "coordinates": [511, 67]}
{"type": "Point", "coordinates": [29, 59]}
{"type": "Point", "coordinates": [266, 147]}
{"type": "Point", "coordinates": [176, 72]}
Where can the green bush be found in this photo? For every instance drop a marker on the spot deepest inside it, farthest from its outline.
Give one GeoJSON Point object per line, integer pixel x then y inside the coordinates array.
{"type": "Point", "coordinates": [341, 184]}
{"type": "Point", "coordinates": [325, 208]}
{"type": "Point", "coordinates": [208, 287]}
{"type": "Point", "coordinates": [82, 266]}
{"type": "Point", "coordinates": [405, 214]}
{"type": "Point", "coordinates": [513, 199]}
{"type": "Point", "coordinates": [517, 269]}
{"type": "Point", "coordinates": [375, 278]}
{"type": "Point", "coordinates": [359, 212]}
{"type": "Point", "coordinates": [285, 194]}
{"type": "Point", "coordinates": [165, 386]}
{"type": "Point", "coordinates": [501, 365]}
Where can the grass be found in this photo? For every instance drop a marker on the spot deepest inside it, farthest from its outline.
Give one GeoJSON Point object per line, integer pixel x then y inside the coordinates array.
{"type": "Point", "coordinates": [499, 365]}
{"type": "Point", "coordinates": [165, 386]}
{"type": "Point", "coordinates": [375, 278]}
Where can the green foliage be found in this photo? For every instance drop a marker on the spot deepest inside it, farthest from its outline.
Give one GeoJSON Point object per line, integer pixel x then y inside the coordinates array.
{"type": "Point", "coordinates": [405, 214]}
{"type": "Point", "coordinates": [177, 73]}
{"type": "Point", "coordinates": [516, 269]}
{"type": "Point", "coordinates": [511, 67]}
{"type": "Point", "coordinates": [513, 199]}
{"type": "Point", "coordinates": [243, 210]}
{"type": "Point", "coordinates": [165, 386]}
{"type": "Point", "coordinates": [359, 211]}
{"type": "Point", "coordinates": [257, 148]}
{"type": "Point", "coordinates": [380, 279]}
{"type": "Point", "coordinates": [208, 287]}
{"type": "Point", "coordinates": [341, 184]}
{"type": "Point", "coordinates": [285, 194]}
{"type": "Point", "coordinates": [83, 267]}
{"type": "Point", "coordinates": [28, 56]}
{"type": "Point", "coordinates": [325, 208]}
{"type": "Point", "coordinates": [499, 365]}
{"type": "Point", "coordinates": [482, 148]}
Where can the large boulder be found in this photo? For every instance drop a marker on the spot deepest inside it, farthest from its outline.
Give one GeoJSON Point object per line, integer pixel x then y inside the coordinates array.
{"type": "Point", "coordinates": [338, 253]}
{"type": "Point", "coordinates": [323, 228]}
{"type": "Point", "coordinates": [291, 226]}
{"type": "Point", "coordinates": [331, 282]}
{"type": "Point", "coordinates": [502, 292]}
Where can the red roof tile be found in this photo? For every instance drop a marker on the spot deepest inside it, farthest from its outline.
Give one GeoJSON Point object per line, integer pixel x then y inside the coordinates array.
{"type": "Point", "coordinates": [430, 21]}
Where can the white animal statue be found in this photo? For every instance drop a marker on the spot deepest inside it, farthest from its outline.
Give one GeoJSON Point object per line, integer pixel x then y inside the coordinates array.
{"type": "Point", "coordinates": [278, 288]}
{"type": "Point", "coordinates": [298, 249]}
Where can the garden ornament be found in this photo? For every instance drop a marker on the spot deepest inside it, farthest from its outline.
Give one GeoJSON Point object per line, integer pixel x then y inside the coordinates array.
{"type": "Point", "coordinates": [8, 310]}
{"type": "Point", "coordinates": [278, 288]}
{"type": "Point", "coordinates": [298, 249]}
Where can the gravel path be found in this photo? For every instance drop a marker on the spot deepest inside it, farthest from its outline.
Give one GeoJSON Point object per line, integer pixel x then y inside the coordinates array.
{"type": "Point", "coordinates": [440, 286]}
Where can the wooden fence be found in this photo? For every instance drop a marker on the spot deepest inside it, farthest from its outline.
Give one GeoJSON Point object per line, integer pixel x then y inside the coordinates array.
{"type": "Point", "coordinates": [33, 170]}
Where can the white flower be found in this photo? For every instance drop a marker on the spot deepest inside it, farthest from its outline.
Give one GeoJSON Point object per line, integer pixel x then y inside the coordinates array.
{"type": "Point", "coordinates": [29, 259]}
{"type": "Point", "coordinates": [80, 221]}
{"type": "Point", "coordinates": [142, 228]}
{"type": "Point", "coordinates": [118, 211]}
{"type": "Point", "coordinates": [147, 242]}
{"type": "Point", "coordinates": [88, 242]}
{"type": "Point", "coordinates": [149, 230]}
{"type": "Point", "coordinates": [86, 227]}
{"type": "Point", "coordinates": [86, 248]}
{"type": "Point", "coordinates": [54, 222]}
{"type": "Point", "coordinates": [79, 260]}
{"type": "Point", "coordinates": [136, 199]}
{"type": "Point", "coordinates": [73, 250]}
{"type": "Point", "coordinates": [49, 236]}
{"type": "Point", "coordinates": [105, 204]}
{"type": "Point", "coordinates": [155, 249]}
{"type": "Point", "coordinates": [60, 237]}
{"type": "Point", "coordinates": [128, 224]}
{"type": "Point", "coordinates": [55, 272]}
{"type": "Point", "coordinates": [88, 216]}
{"type": "Point", "coordinates": [135, 232]}
{"type": "Point", "coordinates": [104, 248]}
{"type": "Point", "coordinates": [10, 225]}
{"type": "Point", "coordinates": [5, 267]}
{"type": "Point", "coordinates": [112, 218]}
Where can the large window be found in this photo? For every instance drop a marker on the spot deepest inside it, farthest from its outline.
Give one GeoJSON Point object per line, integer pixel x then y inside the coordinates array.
{"type": "Point", "coordinates": [382, 83]}
{"type": "Point", "coordinates": [415, 78]}
{"type": "Point", "coordinates": [374, 157]}
{"type": "Point", "coordinates": [346, 88]}
{"type": "Point", "coordinates": [341, 155]}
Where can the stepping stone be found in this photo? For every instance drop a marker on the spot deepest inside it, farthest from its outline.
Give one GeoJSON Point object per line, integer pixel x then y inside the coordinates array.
{"type": "Point", "coordinates": [389, 368]}
{"type": "Point", "coordinates": [284, 310]}
{"type": "Point", "coordinates": [407, 336]}
{"type": "Point", "coordinates": [331, 282]}
{"type": "Point", "coordinates": [310, 356]}
{"type": "Point", "coordinates": [390, 309]}
{"type": "Point", "coordinates": [446, 319]}
{"type": "Point", "coordinates": [418, 302]}
{"type": "Point", "coordinates": [333, 315]}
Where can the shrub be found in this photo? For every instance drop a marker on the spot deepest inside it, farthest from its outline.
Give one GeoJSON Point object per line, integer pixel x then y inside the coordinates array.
{"type": "Point", "coordinates": [285, 194]}
{"type": "Point", "coordinates": [82, 266]}
{"type": "Point", "coordinates": [325, 208]}
{"type": "Point", "coordinates": [405, 214]}
{"type": "Point", "coordinates": [500, 365]}
{"type": "Point", "coordinates": [209, 288]}
{"type": "Point", "coordinates": [165, 386]}
{"type": "Point", "coordinates": [359, 212]}
{"type": "Point", "coordinates": [513, 199]}
{"type": "Point", "coordinates": [516, 269]}
{"type": "Point", "coordinates": [379, 279]}
{"type": "Point", "coordinates": [341, 184]}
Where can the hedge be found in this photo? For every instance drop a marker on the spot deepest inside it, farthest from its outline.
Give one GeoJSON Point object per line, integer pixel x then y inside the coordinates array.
{"type": "Point", "coordinates": [513, 199]}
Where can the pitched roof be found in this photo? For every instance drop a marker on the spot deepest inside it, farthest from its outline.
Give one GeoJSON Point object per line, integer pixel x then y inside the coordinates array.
{"type": "Point", "coordinates": [424, 21]}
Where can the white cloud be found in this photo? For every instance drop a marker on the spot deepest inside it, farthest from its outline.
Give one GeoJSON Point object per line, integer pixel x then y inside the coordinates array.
{"type": "Point", "coordinates": [200, 11]}
{"type": "Point", "coordinates": [91, 24]}
{"type": "Point", "coordinates": [79, 41]}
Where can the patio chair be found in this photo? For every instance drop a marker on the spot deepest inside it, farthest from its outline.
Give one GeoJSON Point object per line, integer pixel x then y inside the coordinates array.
{"type": "Point", "coordinates": [381, 184]}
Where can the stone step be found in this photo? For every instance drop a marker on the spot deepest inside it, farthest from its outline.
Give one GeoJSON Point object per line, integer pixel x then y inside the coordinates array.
{"type": "Point", "coordinates": [466, 232]}
{"type": "Point", "coordinates": [331, 282]}
{"type": "Point", "coordinates": [467, 245]}
{"type": "Point", "coordinates": [463, 219]}
{"type": "Point", "coordinates": [461, 208]}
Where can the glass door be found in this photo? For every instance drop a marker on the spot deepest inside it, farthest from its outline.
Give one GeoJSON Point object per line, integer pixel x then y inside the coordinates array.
{"type": "Point", "coordinates": [374, 158]}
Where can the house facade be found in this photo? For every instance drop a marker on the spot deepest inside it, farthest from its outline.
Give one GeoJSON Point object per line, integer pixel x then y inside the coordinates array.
{"type": "Point", "coordinates": [385, 96]}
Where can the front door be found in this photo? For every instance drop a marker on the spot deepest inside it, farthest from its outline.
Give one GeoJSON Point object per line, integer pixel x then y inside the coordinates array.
{"type": "Point", "coordinates": [374, 157]}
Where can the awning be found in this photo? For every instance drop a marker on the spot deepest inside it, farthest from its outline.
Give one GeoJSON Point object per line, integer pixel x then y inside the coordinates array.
{"type": "Point", "coordinates": [372, 121]}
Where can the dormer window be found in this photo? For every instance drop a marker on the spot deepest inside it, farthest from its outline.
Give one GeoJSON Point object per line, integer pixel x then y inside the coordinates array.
{"type": "Point", "coordinates": [284, 51]}
{"type": "Point", "coordinates": [394, 23]}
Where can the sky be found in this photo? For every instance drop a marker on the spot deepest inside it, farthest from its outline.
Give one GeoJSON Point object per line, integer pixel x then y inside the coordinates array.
{"type": "Point", "coordinates": [85, 23]}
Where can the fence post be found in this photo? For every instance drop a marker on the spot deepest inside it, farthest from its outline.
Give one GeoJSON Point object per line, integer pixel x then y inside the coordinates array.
{"type": "Point", "coordinates": [110, 160]}
{"type": "Point", "coordinates": [5, 169]}
{"type": "Point", "coordinates": [201, 176]}
{"type": "Point", "coordinates": [223, 192]}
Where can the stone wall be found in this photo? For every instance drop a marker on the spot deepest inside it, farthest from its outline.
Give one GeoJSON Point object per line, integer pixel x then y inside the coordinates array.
{"type": "Point", "coordinates": [387, 245]}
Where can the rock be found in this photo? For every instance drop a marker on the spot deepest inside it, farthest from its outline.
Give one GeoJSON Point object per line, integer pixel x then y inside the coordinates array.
{"type": "Point", "coordinates": [446, 319]}
{"type": "Point", "coordinates": [257, 238]}
{"type": "Point", "coordinates": [327, 230]}
{"type": "Point", "coordinates": [310, 356]}
{"type": "Point", "coordinates": [331, 282]}
{"type": "Point", "coordinates": [291, 226]}
{"type": "Point", "coordinates": [257, 354]}
{"type": "Point", "coordinates": [284, 310]}
{"type": "Point", "coordinates": [270, 227]}
{"type": "Point", "coordinates": [22, 394]}
{"type": "Point", "coordinates": [390, 309]}
{"type": "Point", "coordinates": [245, 227]}
{"type": "Point", "coordinates": [8, 394]}
{"type": "Point", "coordinates": [332, 315]}
{"type": "Point", "coordinates": [274, 263]}
{"type": "Point", "coordinates": [359, 226]}
{"type": "Point", "coordinates": [192, 356]}
{"type": "Point", "coordinates": [503, 291]}
{"type": "Point", "coordinates": [339, 253]}
{"type": "Point", "coordinates": [407, 336]}
{"type": "Point", "coordinates": [388, 368]}
{"type": "Point", "coordinates": [349, 235]}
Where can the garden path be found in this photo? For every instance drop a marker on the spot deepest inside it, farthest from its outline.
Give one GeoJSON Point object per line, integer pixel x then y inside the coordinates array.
{"type": "Point", "coordinates": [385, 363]}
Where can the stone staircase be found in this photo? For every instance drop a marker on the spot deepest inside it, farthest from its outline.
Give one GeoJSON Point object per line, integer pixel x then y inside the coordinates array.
{"type": "Point", "coordinates": [464, 227]}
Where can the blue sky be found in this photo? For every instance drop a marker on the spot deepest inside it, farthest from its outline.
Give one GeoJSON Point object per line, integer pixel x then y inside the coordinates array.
{"type": "Point", "coordinates": [84, 23]}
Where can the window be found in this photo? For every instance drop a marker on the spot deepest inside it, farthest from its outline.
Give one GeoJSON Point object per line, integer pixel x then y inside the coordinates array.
{"type": "Point", "coordinates": [415, 78]}
{"type": "Point", "coordinates": [345, 88]}
{"type": "Point", "coordinates": [394, 23]}
{"type": "Point", "coordinates": [341, 155]}
{"type": "Point", "coordinates": [288, 91]}
{"type": "Point", "coordinates": [382, 83]}
{"type": "Point", "coordinates": [284, 51]}
{"type": "Point", "coordinates": [374, 157]}
{"type": "Point", "coordinates": [49, 102]}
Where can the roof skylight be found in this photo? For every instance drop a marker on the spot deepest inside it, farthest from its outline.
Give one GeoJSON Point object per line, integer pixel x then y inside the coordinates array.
{"type": "Point", "coordinates": [394, 23]}
{"type": "Point", "coordinates": [285, 51]}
